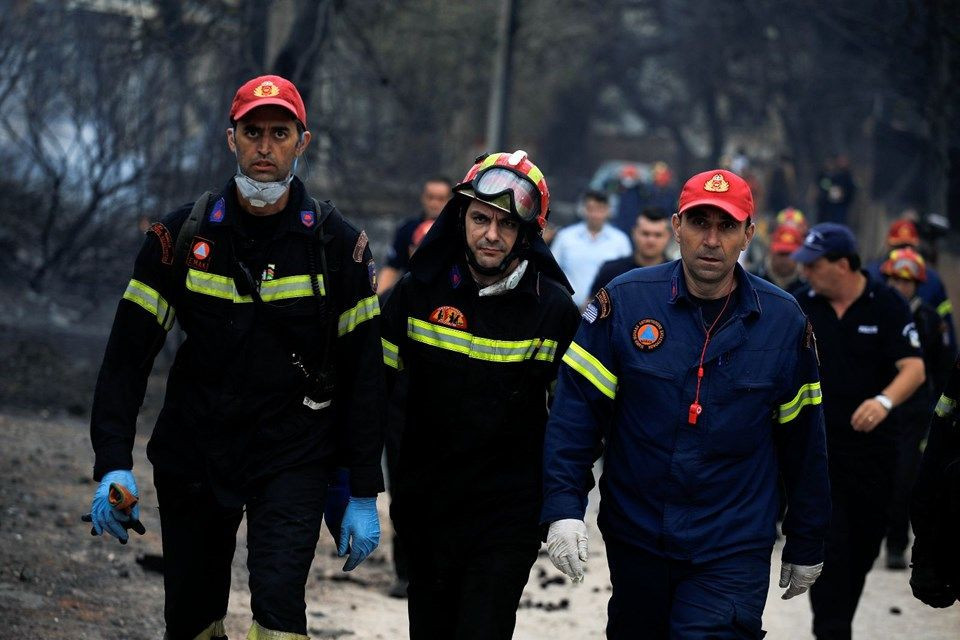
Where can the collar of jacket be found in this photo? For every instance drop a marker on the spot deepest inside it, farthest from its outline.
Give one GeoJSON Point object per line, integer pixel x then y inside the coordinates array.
{"type": "Point", "coordinates": [443, 247]}
{"type": "Point", "coordinates": [294, 220]}
{"type": "Point", "coordinates": [748, 300]}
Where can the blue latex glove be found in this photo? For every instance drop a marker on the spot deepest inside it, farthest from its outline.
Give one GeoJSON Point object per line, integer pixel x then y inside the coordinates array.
{"type": "Point", "coordinates": [360, 532]}
{"type": "Point", "coordinates": [335, 503]}
{"type": "Point", "coordinates": [103, 517]}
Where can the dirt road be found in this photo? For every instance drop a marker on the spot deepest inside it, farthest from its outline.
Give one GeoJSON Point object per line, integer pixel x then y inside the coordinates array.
{"type": "Point", "coordinates": [59, 583]}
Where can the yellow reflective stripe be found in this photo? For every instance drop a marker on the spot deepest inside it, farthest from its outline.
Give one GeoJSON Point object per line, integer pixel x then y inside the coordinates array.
{"type": "Point", "coordinates": [590, 368]}
{"type": "Point", "coordinates": [217, 286]}
{"type": "Point", "coordinates": [391, 354]}
{"type": "Point", "coordinates": [290, 287]}
{"type": "Point", "coordinates": [535, 174]}
{"type": "Point", "coordinates": [262, 633]}
{"type": "Point", "coordinates": [154, 304]}
{"type": "Point", "coordinates": [480, 348]}
{"type": "Point", "coordinates": [944, 308]}
{"type": "Point", "coordinates": [489, 161]}
{"type": "Point", "coordinates": [360, 312]}
{"type": "Point", "coordinates": [945, 407]}
{"type": "Point", "coordinates": [213, 630]}
{"type": "Point", "coordinates": [809, 394]}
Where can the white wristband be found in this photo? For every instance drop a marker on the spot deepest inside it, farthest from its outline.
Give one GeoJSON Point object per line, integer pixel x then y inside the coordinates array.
{"type": "Point", "coordinates": [885, 401]}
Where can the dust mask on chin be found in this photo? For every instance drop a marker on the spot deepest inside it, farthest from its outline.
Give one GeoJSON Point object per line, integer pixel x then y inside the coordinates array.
{"type": "Point", "coordinates": [261, 194]}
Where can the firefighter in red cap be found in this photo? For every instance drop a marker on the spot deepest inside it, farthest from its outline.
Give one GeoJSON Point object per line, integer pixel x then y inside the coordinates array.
{"type": "Point", "coordinates": [702, 381]}
{"type": "Point", "coordinates": [905, 270]}
{"type": "Point", "coordinates": [478, 326]}
{"type": "Point", "coordinates": [278, 382]}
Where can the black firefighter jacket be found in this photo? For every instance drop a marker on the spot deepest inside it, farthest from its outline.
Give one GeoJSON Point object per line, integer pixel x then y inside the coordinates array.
{"type": "Point", "coordinates": [234, 407]}
{"type": "Point", "coordinates": [479, 369]}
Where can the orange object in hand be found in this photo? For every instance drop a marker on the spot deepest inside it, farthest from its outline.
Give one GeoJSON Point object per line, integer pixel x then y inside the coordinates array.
{"type": "Point", "coordinates": [120, 498]}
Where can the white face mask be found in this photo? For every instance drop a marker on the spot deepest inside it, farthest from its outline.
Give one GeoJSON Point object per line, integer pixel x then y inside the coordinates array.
{"type": "Point", "coordinates": [261, 194]}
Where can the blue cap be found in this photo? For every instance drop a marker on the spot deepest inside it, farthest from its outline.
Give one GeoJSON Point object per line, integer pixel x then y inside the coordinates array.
{"type": "Point", "coordinates": [824, 238]}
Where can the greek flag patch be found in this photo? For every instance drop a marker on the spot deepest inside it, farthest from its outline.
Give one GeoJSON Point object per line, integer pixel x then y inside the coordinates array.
{"type": "Point", "coordinates": [590, 313]}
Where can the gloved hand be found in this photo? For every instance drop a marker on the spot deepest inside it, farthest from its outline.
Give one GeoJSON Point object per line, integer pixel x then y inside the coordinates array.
{"type": "Point", "coordinates": [797, 578]}
{"type": "Point", "coordinates": [929, 588]}
{"type": "Point", "coordinates": [114, 521]}
{"type": "Point", "coordinates": [360, 532]}
{"type": "Point", "coordinates": [567, 546]}
{"type": "Point", "coordinates": [335, 503]}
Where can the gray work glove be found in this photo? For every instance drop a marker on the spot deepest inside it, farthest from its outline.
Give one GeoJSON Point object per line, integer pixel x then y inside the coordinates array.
{"type": "Point", "coordinates": [797, 578]}
{"type": "Point", "coordinates": [567, 546]}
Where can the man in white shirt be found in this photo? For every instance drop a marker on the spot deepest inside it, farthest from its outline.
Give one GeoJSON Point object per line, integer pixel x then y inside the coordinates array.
{"type": "Point", "coordinates": [581, 248]}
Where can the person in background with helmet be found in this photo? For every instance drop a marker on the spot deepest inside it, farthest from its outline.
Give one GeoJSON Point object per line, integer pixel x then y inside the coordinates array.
{"type": "Point", "coordinates": [870, 362]}
{"type": "Point", "coordinates": [905, 269]}
{"type": "Point", "coordinates": [702, 380]}
{"type": "Point", "coordinates": [478, 326]}
{"type": "Point", "coordinates": [902, 234]}
{"type": "Point", "coordinates": [278, 383]}
{"type": "Point", "coordinates": [935, 511]}
{"type": "Point", "coordinates": [778, 267]}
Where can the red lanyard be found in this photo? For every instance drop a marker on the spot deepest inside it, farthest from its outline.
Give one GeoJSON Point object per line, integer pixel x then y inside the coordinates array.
{"type": "Point", "coordinates": [696, 408]}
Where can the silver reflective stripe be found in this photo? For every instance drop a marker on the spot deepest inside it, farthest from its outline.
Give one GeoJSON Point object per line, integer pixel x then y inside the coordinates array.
{"type": "Point", "coordinates": [945, 407]}
{"type": "Point", "coordinates": [290, 287]}
{"type": "Point", "coordinates": [360, 312]}
{"type": "Point", "coordinates": [152, 302]}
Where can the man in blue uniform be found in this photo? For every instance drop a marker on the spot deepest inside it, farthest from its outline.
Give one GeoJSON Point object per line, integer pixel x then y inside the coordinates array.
{"type": "Point", "coordinates": [278, 382]}
{"type": "Point", "coordinates": [478, 326]}
{"type": "Point", "coordinates": [702, 380]}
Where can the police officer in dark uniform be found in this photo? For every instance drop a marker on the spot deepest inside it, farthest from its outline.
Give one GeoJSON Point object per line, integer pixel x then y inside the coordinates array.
{"type": "Point", "coordinates": [702, 381]}
{"type": "Point", "coordinates": [277, 383]}
{"type": "Point", "coordinates": [870, 362]}
{"type": "Point", "coordinates": [935, 511]}
{"type": "Point", "coordinates": [478, 325]}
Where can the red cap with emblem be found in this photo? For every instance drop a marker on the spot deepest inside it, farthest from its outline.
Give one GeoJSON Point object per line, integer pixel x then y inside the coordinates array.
{"type": "Point", "coordinates": [265, 90]}
{"type": "Point", "coordinates": [718, 188]}
{"type": "Point", "coordinates": [786, 239]}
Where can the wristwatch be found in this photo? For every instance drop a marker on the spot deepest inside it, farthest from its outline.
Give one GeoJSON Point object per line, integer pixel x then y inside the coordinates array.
{"type": "Point", "coordinates": [884, 400]}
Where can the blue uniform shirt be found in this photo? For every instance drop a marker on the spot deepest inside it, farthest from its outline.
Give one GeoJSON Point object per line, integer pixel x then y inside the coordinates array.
{"type": "Point", "coordinates": [702, 491]}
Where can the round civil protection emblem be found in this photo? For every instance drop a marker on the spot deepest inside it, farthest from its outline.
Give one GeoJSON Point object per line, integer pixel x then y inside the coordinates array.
{"type": "Point", "coordinates": [648, 334]}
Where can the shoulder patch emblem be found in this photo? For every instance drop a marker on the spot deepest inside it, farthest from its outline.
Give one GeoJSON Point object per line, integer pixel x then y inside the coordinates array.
{"type": "Point", "coordinates": [218, 211]}
{"type": "Point", "coordinates": [307, 218]}
{"type": "Point", "coordinates": [648, 334]}
{"type": "Point", "coordinates": [455, 277]}
{"type": "Point", "coordinates": [166, 241]}
{"type": "Point", "coordinates": [590, 313]}
{"type": "Point", "coordinates": [604, 305]}
{"type": "Point", "coordinates": [359, 247]}
{"type": "Point", "coordinates": [449, 317]}
{"type": "Point", "coordinates": [810, 341]}
{"type": "Point", "coordinates": [200, 252]}
{"type": "Point", "coordinates": [372, 274]}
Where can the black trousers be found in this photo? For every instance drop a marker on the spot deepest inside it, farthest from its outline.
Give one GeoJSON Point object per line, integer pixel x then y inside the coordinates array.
{"type": "Point", "coordinates": [913, 429]}
{"type": "Point", "coordinates": [199, 538]}
{"type": "Point", "coordinates": [659, 598]}
{"type": "Point", "coordinates": [459, 593]}
{"type": "Point", "coordinates": [860, 487]}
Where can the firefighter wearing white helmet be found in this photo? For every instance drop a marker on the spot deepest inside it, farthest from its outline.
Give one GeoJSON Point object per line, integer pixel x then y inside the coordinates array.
{"type": "Point", "coordinates": [478, 325]}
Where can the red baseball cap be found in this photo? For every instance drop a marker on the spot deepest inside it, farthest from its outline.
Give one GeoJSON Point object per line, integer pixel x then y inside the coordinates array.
{"type": "Point", "coordinates": [718, 188]}
{"type": "Point", "coordinates": [903, 233]}
{"type": "Point", "coordinates": [786, 239]}
{"type": "Point", "coordinates": [265, 90]}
